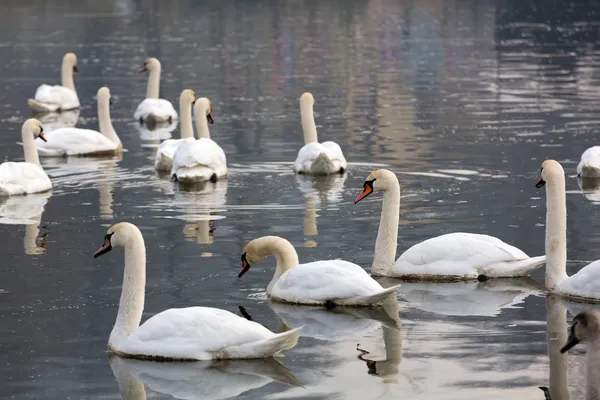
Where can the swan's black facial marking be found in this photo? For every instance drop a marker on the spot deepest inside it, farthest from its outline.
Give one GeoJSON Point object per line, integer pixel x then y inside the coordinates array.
{"type": "Point", "coordinates": [75, 69]}
{"type": "Point", "coordinates": [245, 266]}
{"type": "Point", "coordinates": [145, 67]}
{"type": "Point", "coordinates": [367, 190]}
{"type": "Point", "coordinates": [210, 118]}
{"type": "Point", "coordinates": [572, 341]}
{"type": "Point", "coordinates": [106, 247]}
{"type": "Point", "coordinates": [41, 135]}
{"type": "Point", "coordinates": [541, 182]}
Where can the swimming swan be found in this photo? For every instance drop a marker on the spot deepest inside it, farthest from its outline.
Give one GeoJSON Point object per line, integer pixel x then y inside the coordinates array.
{"type": "Point", "coordinates": [80, 142]}
{"type": "Point", "coordinates": [586, 326]}
{"type": "Point", "coordinates": [153, 109]}
{"type": "Point", "coordinates": [585, 284]}
{"type": "Point", "coordinates": [29, 176]}
{"type": "Point", "coordinates": [450, 257]}
{"type": "Point", "coordinates": [166, 150]}
{"type": "Point", "coordinates": [179, 334]}
{"type": "Point", "coordinates": [316, 158]}
{"type": "Point", "coordinates": [203, 159]}
{"type": "Point", "coordinates": [328, 282]}
{"type": "Point", "coordinates": [589, 166]}
{"type": "Point", "coordinates": [61, 97]}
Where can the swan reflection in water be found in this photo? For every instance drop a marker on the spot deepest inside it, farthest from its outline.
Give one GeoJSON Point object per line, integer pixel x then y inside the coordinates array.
{"type": "Point", "coordinates": [155, 132]}
{"type": "Point", "coordinates": [590, 187]}
{"type": "Point", "coordinates": [200, 203]}
{"type": "Point", "coordinates": [53, 120]}
{"type": "Point", "coordinates": [27, 210]}
{"type": "Point", "coordinates": [318, 189]}
{"type": "Point", "coordinates": [474, 298]}
{"type": "Point", "coordinates": [197, 380]}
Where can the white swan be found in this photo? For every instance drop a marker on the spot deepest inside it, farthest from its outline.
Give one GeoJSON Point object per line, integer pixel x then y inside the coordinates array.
{"type": "Point", "coordinates": [328, 282]}
{"type": "Point", "coordinates": [454, 256]}
{"type": "Point", "coordinates": [585, 284]}
{"type": "Point", "coordinates": [61, 97]}
{"type": "Point", "coordinates": [200, 160]}
{"type": "Point", "coordinates": [79, 142]}
{"type": "Point", "coordinates": [589, 166]}
{"type": "Point", "coordinates": [29, 176]}
{"type": "Point", "coordinates": [316, 158]}
{"type": "Point", "coordinates": [154, 109]}
{"type": "Point", "coordinates": [166, 150]}
{"type": "Point", "coordinates": [179, 334]}
{"type": "Point", "coordinates": [586, 326]}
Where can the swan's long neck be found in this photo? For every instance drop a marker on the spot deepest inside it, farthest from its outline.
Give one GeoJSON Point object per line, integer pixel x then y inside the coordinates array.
{"type": "Point", "coordinates": [153, 87]}
{"type": "Point", "coordinates": [105, 124]}
{"type": "Point", "coordinates": [185, 111]}
{"type": "Point", "coordinates": [556, 232]}
{"type": "Point", "coordinates": [309, 128]}
{"type": "Point", "coordinates": [593, 370]}
{"type": "Point", "coordinates": [284, 253]}
{"type": "Point", "coordinates": [557, 332]}
{"type": "Point", "coordinates": [201, 122]}
{"type": "Point", "coordinates": [387, 236]}
{"type": "Point", "coordinates": [29, 149]}
{"type": "Point", "coordinates": [131, 305]}
{"type": "Point", "coordinates": [66, 75]}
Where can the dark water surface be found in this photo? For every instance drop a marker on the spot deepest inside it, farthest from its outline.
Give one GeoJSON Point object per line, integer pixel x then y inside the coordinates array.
{"type": "Point", "coordinates": [462, 99]}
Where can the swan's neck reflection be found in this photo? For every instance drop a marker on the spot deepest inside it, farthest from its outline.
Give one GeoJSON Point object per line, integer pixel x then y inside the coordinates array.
{"type": "Point", "coordinates": [33, 243]}
{"type": "Point", "coordinates": [310, 220]}
{"type": "Point", "coordinates": [557, 334]}
{"type": "Point", "coordinates": [201, 231]}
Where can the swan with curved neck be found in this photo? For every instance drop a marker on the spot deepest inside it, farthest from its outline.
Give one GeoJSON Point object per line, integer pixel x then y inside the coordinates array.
{"type": "Point", "coordinates": [316, 158]}
{"type": "Point", "coordinates": [165, 152]}
{"type": "Point", "coordinates": [154, 109]}
{"type": "Point", "coordinates": [203, 159]}
{"type": "Point", "coordinates": [179, 334]}
{"type": "Point", "coordinates": [450, 257]}
{"type": "Point", "coordinates": [29, 176]}
{"type": "Point", "coordinates": [58, 98]}
{"type": "Point", "coordinates": [79, 142]}
{"type": "Point", "coordinates": [585, 284]}
{"type": "Point", "coordinates": [329, 282]}
{"type": "Point", "coordinates": [586, 327]}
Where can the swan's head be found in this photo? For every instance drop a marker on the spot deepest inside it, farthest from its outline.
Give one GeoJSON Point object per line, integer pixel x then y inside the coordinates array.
{"type": "Point", "coordinates": [34, 127]}
{"type": "Point", "coordinates": [307, 99]}
{"type": "Point", "coordinates": [70, 59]}
{"type": "Point", "coordinates": [119, 235]}
{"type": "Point", "coordinates": [257, 250]}
{"type": "Point", "coordinates": [187, 96]}
{"type": "Point", "coordinates": [586, 325]}
{"type": "Point", "coordinates": [550, 172]}
{"type": "Point", "coordinates": [150, 64]}
{"type": "Point", "coordinates": [382, 179]}
{"type": "Point", "coordinates": [204, 105]}
{"type": "Point", "coordinates": [103, 95]}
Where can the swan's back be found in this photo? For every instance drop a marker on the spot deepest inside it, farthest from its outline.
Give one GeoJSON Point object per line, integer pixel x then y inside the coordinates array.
{"type": "Point", "coordinates": [64, 97]}
{"type": "Point", "coordinates": [156, 107]}
{"type": "Point", "coordinates": [585, 283]}
{"type": "Point", "coordinates": [590, 163]}
{"type": "Point", "coordinates": [204, 151]}
{"type": "Point", "coordinates": [22, 178]}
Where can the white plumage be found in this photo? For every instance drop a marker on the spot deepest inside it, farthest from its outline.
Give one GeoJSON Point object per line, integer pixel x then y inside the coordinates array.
{"type": "Point", "coordinates": [58, 97]}
{"type": "Point", "coordinates": [193, 333]}
{"type": "Point", "coordinates": [589, 166]}
{"type": "Point", "coordinates": [154, 109]}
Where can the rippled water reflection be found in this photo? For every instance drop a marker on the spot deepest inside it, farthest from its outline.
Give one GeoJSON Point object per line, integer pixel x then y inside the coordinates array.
{"type": "Point", "coordinates": [462, 99]}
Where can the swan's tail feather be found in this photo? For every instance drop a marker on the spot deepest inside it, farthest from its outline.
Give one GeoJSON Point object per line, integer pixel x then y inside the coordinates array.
{"type": "Point", "coordinates": [323, 165]}
{"type": "Point", "coordinates": [163, 163]}
{"type": "Point", "coordinates": [377, 298]}
{"type": "Point", "coordinates": [266, 347]}
{"type": "Point", "coordinates": [43, 107]}
{"type": "Point", "coordinates": [513, 269]}
{"type": "Point", "coordinates": [198, 173]}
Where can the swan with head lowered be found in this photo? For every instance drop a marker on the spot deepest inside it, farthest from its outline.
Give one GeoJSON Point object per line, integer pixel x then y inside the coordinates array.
{"type": "Point", "coordinates": [327, 282]}
{"type": "Point", "coordinates": [451, 257]}
{"type": "Point", "coordinates": [585, 284]}
{"type": "Point", "coordinates": [179, 334]}
{"type": "Point", "coordinates": [80, 142]}
{"type": "Point", "coordinates": [203, 159]}
{"type": "Point", "coordinates": [61, 97]}
{"type": "Point", "coordinates": [167, 149]}
{"type": "Point", "coordinates": [154, 109]}
{"type": "Point", "coordinates": [316, 158]}
{"type": "Point", "coordinates": [29, 176]}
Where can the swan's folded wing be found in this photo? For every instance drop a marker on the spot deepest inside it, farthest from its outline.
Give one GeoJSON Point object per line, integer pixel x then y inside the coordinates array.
{"type": "Point", "coordinates": [28, 177]}
{"type": "Point", "coordinates": [320, 281]}
{"type": "Point", "coordinates": [203, 152]}
{"type": "Point", "coordinates": [334, 152]}
{"type": "Point", "coordinates": [73, 141]}
{"type": "Point", "coordinates": [589, 158]}
{"type": "Point", "coordinates": [168, 148]}
{"type": "Point", "coordinates": [157, 107]}
{"type": "Point", "coordinates": [57, 94]}
{"type": "Point", "coordinates": [189, 332]}
{"type": "Point", "coordinates": [585, 283]}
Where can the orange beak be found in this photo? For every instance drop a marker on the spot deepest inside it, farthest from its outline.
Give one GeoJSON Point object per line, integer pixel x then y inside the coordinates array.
{"type": "Point", "coordinates": [41, 135]}
{"type": "Point", "coordinates": [368, 189]}
{"type": "Point", "coordinates": [143, 69]}
{"type": "Point", "coordinates": [245, 266]}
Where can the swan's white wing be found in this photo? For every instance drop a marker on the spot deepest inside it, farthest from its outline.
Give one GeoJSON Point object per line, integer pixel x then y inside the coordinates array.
{"type": "Point", "coordinates": [164, 154]}
{"type": "Point", "coordinates": [160, 109]}
{"type": "Point", "coordinates": [320, 281]}
{"type": "Point", "coordinates": [57, 94]}
{"type": "Point", "coordinates": [320, 158]}
{"type": "Point", "coordinates": [193, 332]}
{"type": "Point", "coordinates": [463, 254]}
{"type": "Point", "coordinates": [22, 178]}
{"type": "Point", "coordinates": [73, 141]}
{"type": "Point", "coordinates": [590, 159]}
{"type": "Point", "coordinates": [334, 151]}
{"type": "Point", "coordinates": [585, 283]}
{"type": "Point", "coordinates": [202, 152]}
